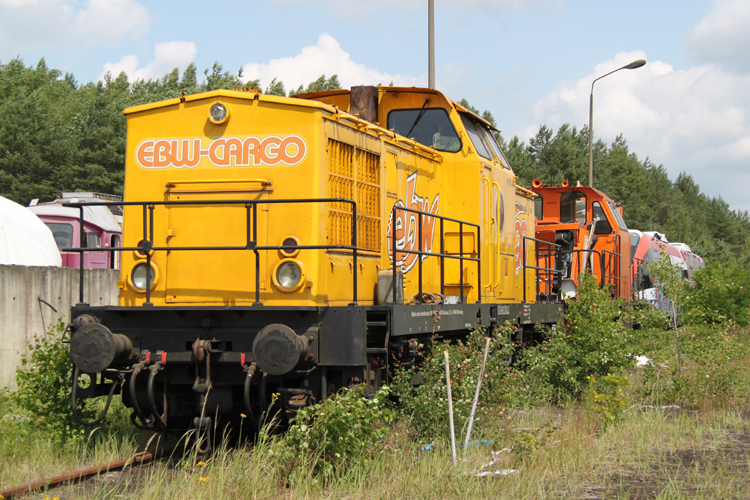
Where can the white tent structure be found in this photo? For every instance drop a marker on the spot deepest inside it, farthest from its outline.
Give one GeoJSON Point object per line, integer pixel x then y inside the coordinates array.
{"type": "Point", "coordinates": [24, 239]}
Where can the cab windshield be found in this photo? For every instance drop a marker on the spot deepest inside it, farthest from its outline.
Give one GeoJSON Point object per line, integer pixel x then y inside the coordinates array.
{"type": "Point", "coordinates": [429, 126]}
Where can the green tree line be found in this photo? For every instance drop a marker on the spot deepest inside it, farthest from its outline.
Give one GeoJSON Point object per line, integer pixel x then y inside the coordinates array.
{"type": "Point", "coordinates": [58, 135]}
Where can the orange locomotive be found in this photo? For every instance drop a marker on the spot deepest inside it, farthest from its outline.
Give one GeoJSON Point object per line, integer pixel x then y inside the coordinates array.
{"type": "Point", "coordinates": [588, 228]}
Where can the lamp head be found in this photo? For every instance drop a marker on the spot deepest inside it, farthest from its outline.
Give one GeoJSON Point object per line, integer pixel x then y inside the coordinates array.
{"type": "Point", "coordinates": [636, 64]}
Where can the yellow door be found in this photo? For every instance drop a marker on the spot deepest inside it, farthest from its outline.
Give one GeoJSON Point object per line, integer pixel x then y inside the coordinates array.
{"type": "Point", "coordinates": [226, 277]}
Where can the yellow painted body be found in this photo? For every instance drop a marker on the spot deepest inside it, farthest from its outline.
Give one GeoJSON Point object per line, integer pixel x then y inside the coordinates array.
{"type": "Point", "coordinates": [275, 148]}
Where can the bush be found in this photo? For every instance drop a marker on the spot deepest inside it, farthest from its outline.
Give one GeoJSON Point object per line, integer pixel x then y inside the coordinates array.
{"type": "Point", "coordinates": [720, 293]}
{"type": "Point", "coordinates": [713, 372]}
{"type": "Point", "coordinates": [337, 434]}
{"type": "Point", "coordinates": [426, 405]}
{"type": "Point", "coordinates": [44, 383]}
{"type": "Point", "coordinates": [607, 398]}
{"type": "Point", "coordinates": [592, 342]}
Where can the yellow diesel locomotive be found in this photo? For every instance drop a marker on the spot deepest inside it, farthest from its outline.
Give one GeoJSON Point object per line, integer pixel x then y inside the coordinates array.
{"type": "Point", "coordinates": [294, 246]}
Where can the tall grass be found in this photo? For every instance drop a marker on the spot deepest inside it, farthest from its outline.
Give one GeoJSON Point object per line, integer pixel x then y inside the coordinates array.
{"type": "Point", "coordinates": [573, 418]}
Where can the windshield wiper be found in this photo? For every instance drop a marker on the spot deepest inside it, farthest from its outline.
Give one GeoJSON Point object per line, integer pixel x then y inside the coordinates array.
{"type": "Point", "coordinates": [419, 116]}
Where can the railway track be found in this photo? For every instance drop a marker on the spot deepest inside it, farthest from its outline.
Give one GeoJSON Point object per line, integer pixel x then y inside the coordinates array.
{"type": "Point", "coordinates": [83, 474]}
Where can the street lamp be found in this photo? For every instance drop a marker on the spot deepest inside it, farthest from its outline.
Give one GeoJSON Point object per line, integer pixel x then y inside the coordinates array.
{"type": "Point", "coordinates": [431, 43]}
{"type": "Point", "coordinates": [635, 64]}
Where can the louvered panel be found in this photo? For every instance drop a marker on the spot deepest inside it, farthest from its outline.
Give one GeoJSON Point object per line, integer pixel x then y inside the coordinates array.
{"type": "Point", "coordinates": [368, 197]}
{"type": "Point", "coordinates": [353, 174]}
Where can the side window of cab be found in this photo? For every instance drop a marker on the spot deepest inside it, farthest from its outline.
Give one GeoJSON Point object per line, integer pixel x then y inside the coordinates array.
{"type": "Point", "coordinates": [483, 140]}
{"type": "Point", "coordinates": [573, 207]}
{"type": "Point", "coordinates": [598, 216]}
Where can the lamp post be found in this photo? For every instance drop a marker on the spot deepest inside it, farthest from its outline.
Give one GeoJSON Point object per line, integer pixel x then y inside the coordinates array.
{"type": "Point", "coordinates": [635, 64]}
{"type": "Point", "coordinates": [431, 43]}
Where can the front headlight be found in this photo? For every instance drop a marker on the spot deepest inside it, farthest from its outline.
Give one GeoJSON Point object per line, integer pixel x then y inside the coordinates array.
{"type": "Point", "coordinates": [143, 276]}
{"type": "Point", "coordinates": [219, 113]}
{"type": "Point", "coordinates": [569, 289]}
{"type": "Point", "coordinates": [289, 275]}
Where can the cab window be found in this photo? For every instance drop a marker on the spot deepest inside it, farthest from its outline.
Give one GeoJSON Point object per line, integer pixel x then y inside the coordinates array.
{"type": "Point", "coordinates": [93, 240]}
{"type": "Point", "coordinates": [597, 215]}
{"type": "Point", "coordinates": [539, 207]}
{"type": "Point", "coordinates": [475, 134]}
{"type": "Point", "coordinates": [494, 146]}
{"type": "Point", "coordinates": [573, 207]}
{"type": "Point", "coordinates": [618, 218]}
{"type": "Point", "coordinates": [431, 127]}
{"type": "Point", "coordinates": [63, 234]}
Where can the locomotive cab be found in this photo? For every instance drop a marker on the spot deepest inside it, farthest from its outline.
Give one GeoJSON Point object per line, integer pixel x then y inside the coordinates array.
{"type": "Point", "coordinates": [588, 229]}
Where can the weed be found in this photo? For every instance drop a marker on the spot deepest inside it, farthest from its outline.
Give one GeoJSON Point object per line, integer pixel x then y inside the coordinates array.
{"type": "Point", "coordinates": [607, 399]}
{"type": "Point", "coordinates": [44, 380]}
{"type": "Point", "coordinates": [592, 341]}
{"type": "Point", "coordinates": [333, 436]}
{"type": "Point", "coordinates": [719, 294]}
{"type": "Point", "coordinates": [425, 405]}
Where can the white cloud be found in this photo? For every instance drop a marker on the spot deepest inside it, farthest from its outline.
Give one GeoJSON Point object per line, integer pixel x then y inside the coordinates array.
{"type": "Point", "coordinates": [42, 24]}
{"type": "Point", "coordinates": [167, 56]}
{"type": "Point", "coordinates": [723, 36]}
{"type": "Point", "coordinates": [697, 120]}
{"type": "Point", "coordinates": [326, 57]}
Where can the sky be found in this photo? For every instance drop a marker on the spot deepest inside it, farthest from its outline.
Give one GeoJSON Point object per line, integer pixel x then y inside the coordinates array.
{"type": "Point", "coordinates": [529, 62]}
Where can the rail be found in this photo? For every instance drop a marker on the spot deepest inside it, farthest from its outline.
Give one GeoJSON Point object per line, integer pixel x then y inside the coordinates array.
{"type": "Point", "coordinates": [81, 475]}
{"type": "Point", "coordinates": [549, 277]}
{"type": "Point", "coordinates": [442, 255]}
{"type": "Point", "coordinates": [610, 263]}
{"type": "Point", "coordinates": [251, 226]}
{"type": "Point", "coordinates": [638, 277]}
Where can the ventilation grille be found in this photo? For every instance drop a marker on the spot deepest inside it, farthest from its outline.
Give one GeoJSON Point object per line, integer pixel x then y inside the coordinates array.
{"type": "Point", "coordinates": [353, 174]}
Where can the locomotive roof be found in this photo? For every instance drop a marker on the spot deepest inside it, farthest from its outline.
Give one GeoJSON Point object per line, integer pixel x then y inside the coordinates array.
{"type": "Point", "coordinates": [99, 216]}
{"type": "Point", "coordinates": [250, 95]}
{"type": "Point", "coordinates": [305, 100]}
{"type": "Point", "coordinates": [415, 90]}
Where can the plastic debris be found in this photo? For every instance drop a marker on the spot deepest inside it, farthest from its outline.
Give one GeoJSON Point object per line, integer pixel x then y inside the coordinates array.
{"type": "Point", "coordinates": [480, 442]}
{"type": "Point", "coordinates": [15, 419]}
{"type": "Point", "coordinates": [502, 472]}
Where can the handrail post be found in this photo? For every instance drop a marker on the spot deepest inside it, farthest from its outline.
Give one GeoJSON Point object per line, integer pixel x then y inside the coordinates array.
{"type": "Point", "coordinates": [479, 267]}
{"type": "Point", "coordinates": [81, 255]}
{"type": "Point", "coordinates": [393, 252]}
{"type": "Point", "coordinates": [257, 255]}
{"type": "Point", "coordinates": [248, 241]}
{"type": "Point", "coordinates": [419, 256]}
{"type": "Point", "coordinates": [354, 244]}
{"type": "Point", "coordinates": [145, 223]}
{"type": "Point", "coordinates": [442, 260]}
{"type": "Point", "coordinates": [461, 259]}
{"type": "Point", "coordinates": [148, 255]}
{"type": "Point", "coordinates": [523, 259]}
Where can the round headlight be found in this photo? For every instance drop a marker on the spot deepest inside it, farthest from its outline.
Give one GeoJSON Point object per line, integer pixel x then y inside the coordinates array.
{"type": "Point", "coordinates": [289, 275]}
{"type": "Point", "coordinates": [569, 289]}
{"type": "Point", "coordinates": [142, 276]}
{"type": "Point", "coordinates": [218, 113]}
